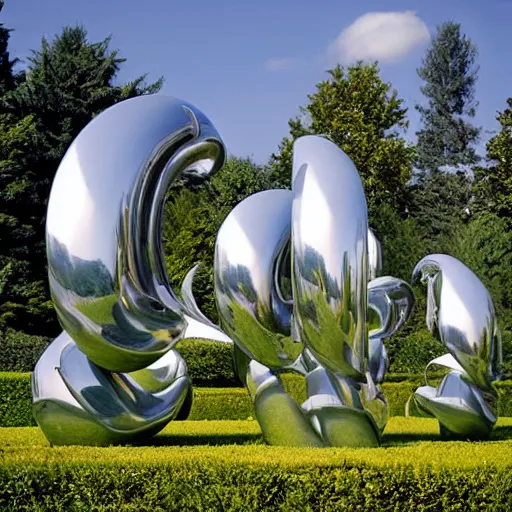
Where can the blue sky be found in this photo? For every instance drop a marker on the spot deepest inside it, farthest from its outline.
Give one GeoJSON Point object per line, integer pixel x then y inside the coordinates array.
{"type": "Point", "coordinates": [249, 65]}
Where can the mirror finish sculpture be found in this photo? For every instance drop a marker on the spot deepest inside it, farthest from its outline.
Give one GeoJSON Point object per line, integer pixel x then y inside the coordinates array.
{"type": "Point", "coordinates": [292, 284]}
{"type": "Point", "coordinates": [297, 288]}
{"type": "Point", "coordinates": [112, 375]}
{"type": "Point", "coordinates": [460, 313]}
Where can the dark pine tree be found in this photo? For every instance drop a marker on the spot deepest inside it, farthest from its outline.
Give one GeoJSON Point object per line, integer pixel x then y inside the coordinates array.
{"type": "Point", "coordinates": [67, 82]}
{"type": "Point", "coordinates": [445, 147]}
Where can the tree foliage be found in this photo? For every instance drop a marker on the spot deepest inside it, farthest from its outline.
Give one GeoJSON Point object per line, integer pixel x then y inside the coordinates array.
{"type": "Point", "coordinates": [67, 82]}
{"type": "Point", "coordinates": [440, 204]}
{"type": "Point", "coordinates": [360, 113]}
{"type": "Point", "coordinates": [440, 197]}
{"type": "Point", "coordinates": [493, 188]}
{"type": "Point", "coordinates": [193, 219]}
{"type": "Point", "coordinates": [449, 73]}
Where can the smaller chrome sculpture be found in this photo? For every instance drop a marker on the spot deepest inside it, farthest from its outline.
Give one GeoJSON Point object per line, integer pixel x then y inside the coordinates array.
{"type": "Point", "coordinates": [460, 313]}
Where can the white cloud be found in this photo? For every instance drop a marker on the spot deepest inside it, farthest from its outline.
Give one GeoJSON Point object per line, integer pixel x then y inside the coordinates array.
{"type": "Point", "coordinates": [382, 36]}
{"type": "Point", "coordinates": [280, 64]}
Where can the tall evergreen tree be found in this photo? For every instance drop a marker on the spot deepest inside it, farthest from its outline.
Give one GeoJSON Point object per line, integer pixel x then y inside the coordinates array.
{"type": "Point", "coordinates": [360, 113]}
{"type": "Point", "coordinates": [68, 81]}
{"type": "Point", "coordinates": [445, 146]}
{"type": "Point", "coordinates": [449, 72]}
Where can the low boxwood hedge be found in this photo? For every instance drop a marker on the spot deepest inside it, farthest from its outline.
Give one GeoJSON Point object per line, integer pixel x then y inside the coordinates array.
{"type": "Point", "coordinates": [210, 364]}
{"type": "Point", "coordinates": [220, 403]}
{"type": "Point", "coordinates": [222, 465]}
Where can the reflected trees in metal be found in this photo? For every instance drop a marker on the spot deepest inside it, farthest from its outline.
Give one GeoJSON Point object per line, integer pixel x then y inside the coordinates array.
{"type": "Point", "coordinates": [297, 287]}
{"type": "Point", "coordinates": [113, 375]}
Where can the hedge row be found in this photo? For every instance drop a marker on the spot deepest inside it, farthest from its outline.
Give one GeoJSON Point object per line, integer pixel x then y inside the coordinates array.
{"type": "Point", "coordinates": [220, 403]}
{"type": "Point", "coordinates": [411, 472]}
{"type": "Point", "coordinates": [211, 364]}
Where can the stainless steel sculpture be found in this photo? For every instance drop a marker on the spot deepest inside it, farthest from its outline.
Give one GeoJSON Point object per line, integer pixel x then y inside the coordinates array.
{"type": "Point", "coordinates": [291, 281]}
{"type": "Point", "coordinates": [297, 290]}
{"type": "Point", "coordinates": [460, 312]}
{"type": "Point", "coordinates": [112, 375]}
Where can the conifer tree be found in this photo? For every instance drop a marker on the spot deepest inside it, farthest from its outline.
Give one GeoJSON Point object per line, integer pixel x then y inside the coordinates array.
{"type": "Point", "coordinates": [449, 73]}
{"type": "Point", "coordinates": [445, 148]}
{"type": "Point", "coordinates": [67, 82]}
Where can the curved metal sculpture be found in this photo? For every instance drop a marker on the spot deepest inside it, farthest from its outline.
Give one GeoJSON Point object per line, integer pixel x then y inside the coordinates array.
{"type": "Point", "coordinates": [291, 282]}
{"type": "Point", "coordinates": [460, 313]}
{"type": "Point", "coordinates": [296, 284]}
{"type": "Point", "coordinates": [112, 375]}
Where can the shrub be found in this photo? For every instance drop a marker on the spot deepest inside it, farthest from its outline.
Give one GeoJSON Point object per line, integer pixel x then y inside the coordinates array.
{"type": "Point", "coordinates": [220, 403]}
{"type": "Point", "coordinates": [178, 472]}
{"type": "Point", "coordinates": [19, 352]}
{"type": "Point", "coordinates": [15, 400]}
{"type": "Point", "coordinates": [411, 354]}
{"type": "Point", "coordinates": [210, 364]}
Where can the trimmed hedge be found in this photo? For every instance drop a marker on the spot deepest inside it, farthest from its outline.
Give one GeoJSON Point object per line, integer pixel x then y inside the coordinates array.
{"type": "Point", "coordinates": [19, 352]}
{"type": "Point", "coordinates": [221, 403]}
{"type": "Point", "coordinates": [412, 471]}
{"type": "Point", "coordinates": [210, 364]}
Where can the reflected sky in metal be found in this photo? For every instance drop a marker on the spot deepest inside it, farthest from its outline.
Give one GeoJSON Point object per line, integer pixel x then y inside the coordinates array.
{"type": "Point", "coordinates": [104, 227]}
{"type": "Point", "coordinates": [330, 255]}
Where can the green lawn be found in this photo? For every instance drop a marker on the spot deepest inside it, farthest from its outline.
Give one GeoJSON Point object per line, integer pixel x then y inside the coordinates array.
{"type": "Point", "coordinates": [406, 441]}
{"type": "Point", "coordinates": [225, 465]}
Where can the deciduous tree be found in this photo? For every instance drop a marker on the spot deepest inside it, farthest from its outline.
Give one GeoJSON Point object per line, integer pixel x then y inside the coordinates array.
{"type": "Point", "coordinates": [360, 113]}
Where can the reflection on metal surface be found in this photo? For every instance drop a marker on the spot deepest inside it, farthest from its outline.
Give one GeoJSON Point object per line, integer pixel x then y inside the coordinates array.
{"type": "Point", "coordinates": [460, 312]}
{"type": "Point", "coordinates": [330, 256]}
{"type": "Point", "coordinates": [374, 256]}
{"type": "Point", "coordinates": [77, 402]}
{"type": "Point", "coordinates": [390, 302]}
{"type": "Point", "coordinates": [112, 375]}
{"type": "Point", "coordinates": [104, 233]}
{"type": "Point", "coordinates": [296, 286]}
{"type": "Point", "coordinates": [291, 284]}
{"type": "Point", "coordinates": [251, 309]}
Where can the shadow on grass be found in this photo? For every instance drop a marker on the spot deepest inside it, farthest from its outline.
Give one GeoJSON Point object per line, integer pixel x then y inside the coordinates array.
{"type": "Point", "coordinates": [202, 440]}
{"type": "Point", "coordinates": [500, 433]}
{"type": "Point", "coordinates": [390, 440]}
